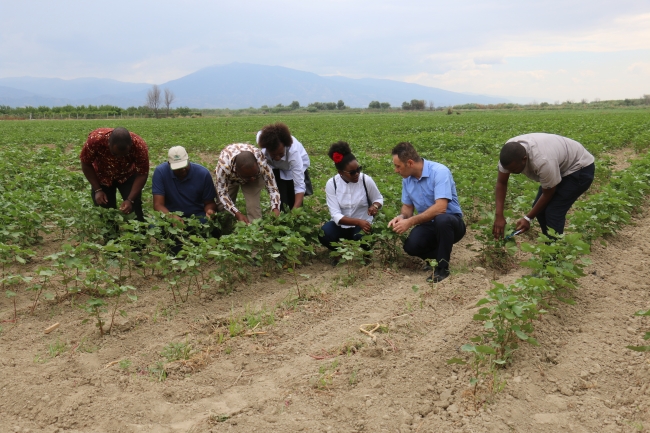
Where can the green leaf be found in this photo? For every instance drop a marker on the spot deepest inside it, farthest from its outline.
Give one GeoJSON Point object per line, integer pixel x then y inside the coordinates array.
{"type": "Point", "coordinates": [566, 300]}
{"type": "Point", "coordinates": [639, 348]}
{"type": "Point", "coordinates": [456, 361]}
{"type": "Point", "coordinates": [522, 335]}
{"type": "Point", "coordinates": [485, 349]}
{"type": "Point", "coordinates": [482, 301]}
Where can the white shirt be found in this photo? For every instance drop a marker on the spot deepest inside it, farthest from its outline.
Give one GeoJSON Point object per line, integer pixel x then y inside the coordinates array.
{"type": "Point", "coordinates": [349, 199]}
{"type": "Point", "coordinates": [292, 165]}
{"type": "Point", "coordinates": [551, 157]}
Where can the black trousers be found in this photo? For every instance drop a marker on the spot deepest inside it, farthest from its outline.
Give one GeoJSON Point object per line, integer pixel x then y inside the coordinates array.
{"type": "Point", "coordinates": [435, 239]}
{"type": "Point", "coordinates": [568, 190]}
{"type": "Point", "coordinates": [125, 190]}
{"type": "Point", "coordinates": [333, 232]}
{"type": "Point", "coordinates": [287, 193]}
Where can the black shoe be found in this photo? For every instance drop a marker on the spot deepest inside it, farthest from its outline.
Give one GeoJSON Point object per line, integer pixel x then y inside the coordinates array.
{"type": "Point", "coordinates": [334, 261]}
{"type": "Point", "coordinates": [427, 268]}
{"type": "Point", "coordinates": [438, 276]}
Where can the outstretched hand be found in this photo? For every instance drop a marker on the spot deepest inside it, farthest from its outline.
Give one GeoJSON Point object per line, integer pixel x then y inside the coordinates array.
{"type": "Point", "coordinates": [498, 227]}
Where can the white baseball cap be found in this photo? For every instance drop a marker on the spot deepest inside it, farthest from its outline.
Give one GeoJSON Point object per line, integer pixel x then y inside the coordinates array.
{"type": "Point", "coordinates": [178, 157]}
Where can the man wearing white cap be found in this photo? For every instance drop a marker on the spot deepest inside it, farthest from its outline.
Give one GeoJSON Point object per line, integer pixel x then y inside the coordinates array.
{"type": "Point", "coordinates": [181, 185]}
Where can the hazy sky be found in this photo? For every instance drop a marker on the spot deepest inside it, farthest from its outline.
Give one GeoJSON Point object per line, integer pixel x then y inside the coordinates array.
{"type": "Point", "coordinates": [552, 49]}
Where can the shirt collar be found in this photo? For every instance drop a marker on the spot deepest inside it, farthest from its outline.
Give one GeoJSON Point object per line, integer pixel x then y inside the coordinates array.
{"type": "Point", "coordinates": [426, 169]}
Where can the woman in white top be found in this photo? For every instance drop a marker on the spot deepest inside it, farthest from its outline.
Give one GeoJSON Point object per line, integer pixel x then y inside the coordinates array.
{"type": "Point", "coordinates": [289, 161]}
{"type": "Point", "coordinates": [352, 198]}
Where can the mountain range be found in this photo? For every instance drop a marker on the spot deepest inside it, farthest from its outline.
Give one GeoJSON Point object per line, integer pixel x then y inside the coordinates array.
{"type": "Point", "coordinates": [235, 85]}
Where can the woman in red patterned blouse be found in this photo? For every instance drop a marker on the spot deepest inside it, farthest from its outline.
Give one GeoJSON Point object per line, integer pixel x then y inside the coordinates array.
{"type": "Point", "coordinates": [116, 159]}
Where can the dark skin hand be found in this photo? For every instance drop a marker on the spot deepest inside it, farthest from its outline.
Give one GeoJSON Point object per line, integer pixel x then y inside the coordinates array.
{"type": "Point", "coordinates": [500, 194]}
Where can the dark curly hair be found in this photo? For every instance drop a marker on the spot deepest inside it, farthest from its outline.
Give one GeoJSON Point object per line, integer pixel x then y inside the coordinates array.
{"type": "Point", "coordinates": [342, 148]}
{"type": "Point", "coordinates": [273, 135]}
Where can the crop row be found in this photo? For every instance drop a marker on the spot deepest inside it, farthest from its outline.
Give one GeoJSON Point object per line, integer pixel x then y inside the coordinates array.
{"type": "Point", "coordinates": [508, 312]}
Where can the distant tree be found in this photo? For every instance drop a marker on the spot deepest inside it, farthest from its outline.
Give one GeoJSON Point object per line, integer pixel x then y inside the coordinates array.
{"type": "Point", "coordinates": [646, 99]}
{"type": "Point", "coordinates": [169, 98]}
{"type": "Point", "coordinates": [418, 104]}
{"type": "Point", "coordinates": [295, 105]}
{"type": "Point", "coordinates": [340, 105]}
{"type": "Point", "coordinates": [384, 105]}
{"type": "Point", "coordinates": [374, 104]}
{"type": "Point", "coordinates": [431, 105]}
{"type": "Point", "coordinates": [153, 99]}
{"type": "Point", "coordinates": [330, 105]}
{"type": "Point", "coordinates": [406, 106]}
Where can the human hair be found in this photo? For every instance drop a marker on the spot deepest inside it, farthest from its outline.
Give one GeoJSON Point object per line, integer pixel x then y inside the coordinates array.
{"type": "Point", "coordinates": [245, 160]}
{"type": "Point", "coordinates": [346, 156]}
{"type": "Point", "coordinates": [406, 151]}
{"type": "Point", "coordinates": [511, 152]}
{"type": "Point", "coordinates": [273, 135]}
{"type": "Point", "coordinates": [121, 138]}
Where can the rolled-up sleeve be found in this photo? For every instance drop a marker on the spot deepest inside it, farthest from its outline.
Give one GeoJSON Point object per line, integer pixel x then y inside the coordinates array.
{"type": "Point", "coordinates": [333, 202]}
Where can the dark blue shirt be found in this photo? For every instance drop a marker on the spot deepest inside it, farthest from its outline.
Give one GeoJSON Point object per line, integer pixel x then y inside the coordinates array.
{"type": "Point", "coordinates": [188, 195]}
{"type": "Point", "coordinates": [436, 182]}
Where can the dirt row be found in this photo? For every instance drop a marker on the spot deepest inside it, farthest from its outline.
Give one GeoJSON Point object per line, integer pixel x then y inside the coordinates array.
{"type": "Point", "coordinates": [308, 366]}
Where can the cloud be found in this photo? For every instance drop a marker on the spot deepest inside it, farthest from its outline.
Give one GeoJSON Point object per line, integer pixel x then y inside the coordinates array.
{"type": "Point", "coordinates": [489, 60]}
{"type": "Point", "coordinates": [639, 68]}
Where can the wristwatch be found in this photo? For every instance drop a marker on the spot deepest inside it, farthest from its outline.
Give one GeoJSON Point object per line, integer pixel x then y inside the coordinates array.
{"type": "Point", "coordinates": [527, 219]}
{"type": "Point", "coordinates": [375, 206]}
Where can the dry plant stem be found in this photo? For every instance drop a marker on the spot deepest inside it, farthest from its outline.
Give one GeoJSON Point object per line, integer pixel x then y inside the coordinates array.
{"type": "Point", "coordinates": [110, 364]}
{"type": "Point", "coordinates": [36, 301]}
{"type": "Point", "coordinates": [117, 303]}
{"type": "Point", "coordinates": [238, 377]}
{"type": "Point", "coordinates": [392, 345]}
{"type": "Point", "coordinates": [370, 333]}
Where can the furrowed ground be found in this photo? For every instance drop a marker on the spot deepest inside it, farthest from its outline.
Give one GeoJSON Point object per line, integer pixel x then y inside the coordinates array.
{"type": "Point", "coordinates": [245, 352]}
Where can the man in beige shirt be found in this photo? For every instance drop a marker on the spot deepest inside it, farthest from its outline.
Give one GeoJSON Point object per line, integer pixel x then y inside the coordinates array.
{"type": "Point", "coordinates": [564, 169]}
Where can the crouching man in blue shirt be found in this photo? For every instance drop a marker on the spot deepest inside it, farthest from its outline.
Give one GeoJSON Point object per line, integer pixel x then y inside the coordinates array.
{"type": "Point", "coordinates": [429, 188]}
{"type": "Point", "coordinates": [181, 185]}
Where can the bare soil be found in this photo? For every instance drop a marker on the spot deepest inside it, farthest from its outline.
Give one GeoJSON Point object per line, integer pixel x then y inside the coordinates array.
{"type": "Point", "coordinates": [314, 370]}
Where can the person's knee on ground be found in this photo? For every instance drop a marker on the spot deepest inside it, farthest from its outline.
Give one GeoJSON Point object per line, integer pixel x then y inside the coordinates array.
{"type": "Point", "coordinates": [330, 233]}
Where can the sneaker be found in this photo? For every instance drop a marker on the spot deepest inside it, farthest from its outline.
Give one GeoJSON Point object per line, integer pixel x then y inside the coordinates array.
{"type": "Point", "coordinates": [427, 267]}
{"type": "Point", "coordinates": [438, 276]}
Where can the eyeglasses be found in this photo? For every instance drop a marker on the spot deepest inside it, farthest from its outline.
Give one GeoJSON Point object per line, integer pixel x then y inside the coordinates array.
{"type": "Point", "coordinates": [353, 172]}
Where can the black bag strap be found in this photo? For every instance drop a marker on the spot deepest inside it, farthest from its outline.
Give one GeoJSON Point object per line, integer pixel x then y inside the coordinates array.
{"type": "Point", "coordinates": [363, 179]}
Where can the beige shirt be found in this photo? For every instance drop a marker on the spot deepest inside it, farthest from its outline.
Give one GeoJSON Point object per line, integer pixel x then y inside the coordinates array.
{"type": "Point", "coordinates": [226, 174]}
{"type": "Point", "coordinates": [551, 157]}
